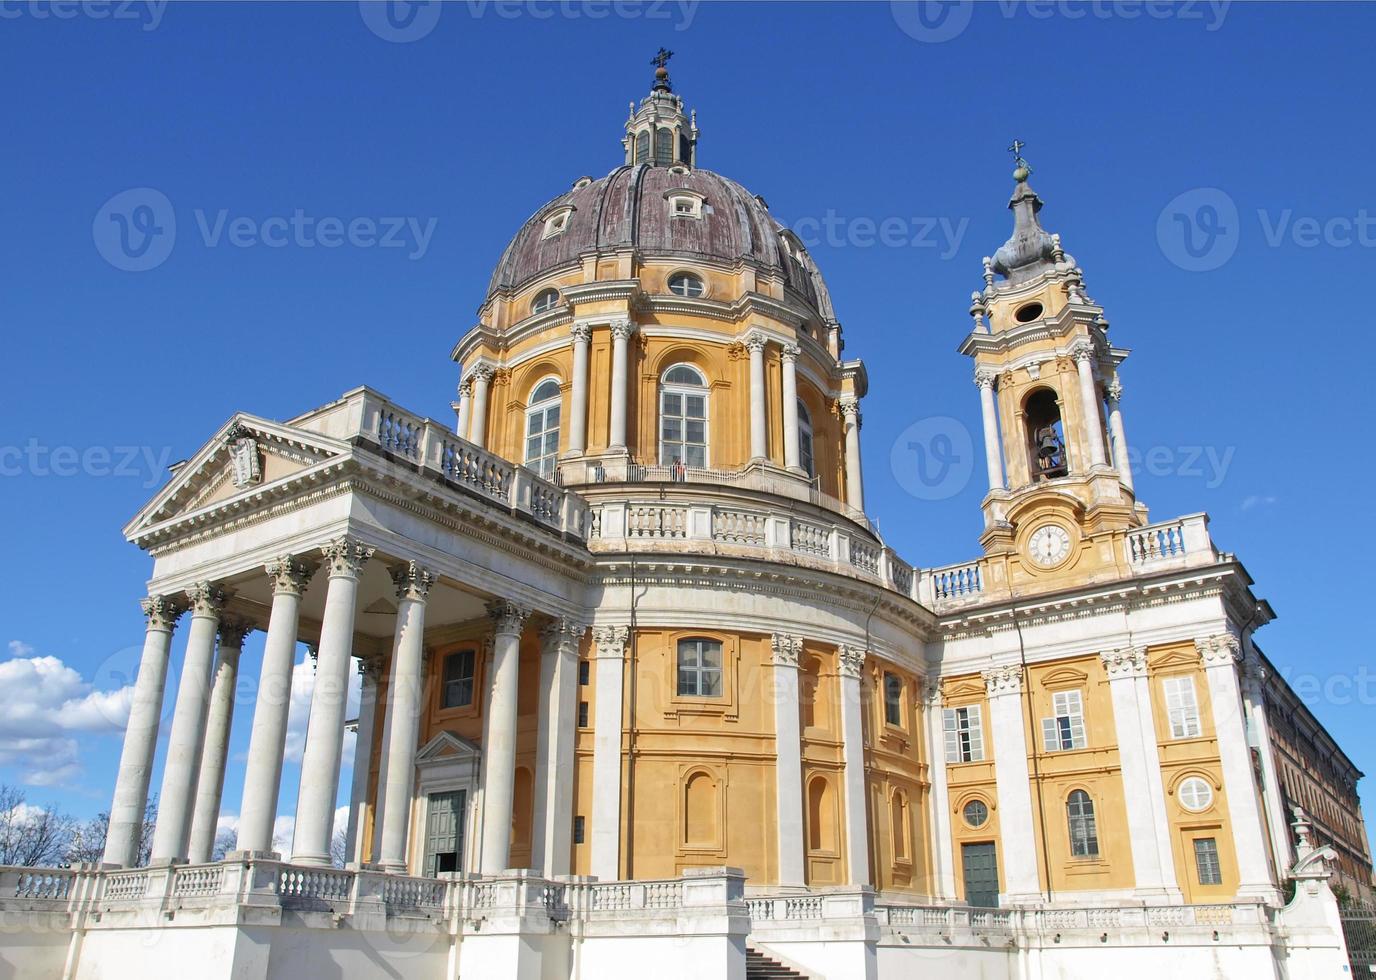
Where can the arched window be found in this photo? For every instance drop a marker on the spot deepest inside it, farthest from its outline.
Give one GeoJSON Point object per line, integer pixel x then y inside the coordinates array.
{"type": "Point", "coordinates": [642, 146]}
{"type": "Point", "coordinates": [1084, 831]}
{"type": "Point", "coordinates": [686, 284]}
{"type": "Point", "coordinates": [544, 300]}
{"type": "Point", "coordinates": [664, 147]}
{"type": "Point", "coordinates": [805, 456]}
{"type": "Point", "coordinates": [699, 668]}
{"type": "Point", "coordinates": [683, 417]}
{"type": "Point", "coordinates": [542, 428]}
{"type": "Point", "coordinates": [1045, 436]}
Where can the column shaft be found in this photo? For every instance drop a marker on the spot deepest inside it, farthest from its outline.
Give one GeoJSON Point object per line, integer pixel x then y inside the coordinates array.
{"type": "Point", "coordinates": [1089, 405]}
{"type": "Point", "coordinates": [853, 752]}
{"type": "Point", "coordinates": [621, 335]}
{"type": "Point", "coordinates": [788, 763]}
{"type": "Point", "coordinates": [1121, 461]}
{"type": "Point", "coordinates": [1254, 697]}
{"type": "Point", "coordinates": [267, 740]}
{"type": "Point", "coordinates": [465, 409]}
{"type": "Point", "coordinates": [553, 792]}
{"type": "Point", "coordinates": [792, 450]}
{"type": "Point", "coordinates": [499, 737]}
{"type": "Point", "coordinates": [363, 760]}
{"type": "Point", "coordinates": [993, 453]}
{"type": "Point", "coordinates": [210, 784]}
{"type": "Point", "coordinates": [758, 430]}
{"type": "Point", "coordinates": [855, 487]}
{"type": "Point", "coordinates": [1021, 880]}
{"type": "Point", "coordinates": [184, 744]}
{"type": "Point", "coordinates": [943, 864]}
{"type": "Point", "coordinates": [405, 704]}
{"type": "Point", "coordinates": [609, 651]}
{"type": "Point", "coordinates": [477, 425]}
{"type": "Point", "coordinates": [319, 790]}
{"type": "Point", "coordinates": [578, 407]}
{"type": "Point", "coordinates": [122, 842]}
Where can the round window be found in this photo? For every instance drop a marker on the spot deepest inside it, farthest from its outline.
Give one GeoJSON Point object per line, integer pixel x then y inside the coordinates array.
{"type": "Point", "coordinates": [976, 813]}
{"type": "Point", "coordinates": [1195, 794]}
{"type": "Point", "coordinates": [1028, 312]}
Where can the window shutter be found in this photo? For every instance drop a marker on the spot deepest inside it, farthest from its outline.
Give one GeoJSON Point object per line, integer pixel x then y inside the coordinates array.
{"type": "Point", "coordinates": [1051, 739]}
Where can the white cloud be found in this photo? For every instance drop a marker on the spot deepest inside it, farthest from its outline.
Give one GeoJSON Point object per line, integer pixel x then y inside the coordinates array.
{"type": "Point", "coordinates": [1257, 500]}
{"type": "Point", "coordinates": [302, 687]}
{"type": "Point", "coordinates": [43, 705]}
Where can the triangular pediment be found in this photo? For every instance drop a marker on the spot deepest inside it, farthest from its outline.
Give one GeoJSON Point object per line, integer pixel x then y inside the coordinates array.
{"type": "Point", "coordinates": [447, 747]}
{"type": "Point", "coordinates": [1178, 657]}
{"type": "Point", "coordinates": [245, 455]}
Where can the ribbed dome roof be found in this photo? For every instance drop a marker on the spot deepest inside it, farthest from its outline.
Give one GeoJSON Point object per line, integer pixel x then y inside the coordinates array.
{"type": "Point", "coordinates": [630, 208]}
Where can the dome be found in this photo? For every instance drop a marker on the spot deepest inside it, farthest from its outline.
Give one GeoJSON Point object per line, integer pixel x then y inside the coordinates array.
{"type": "Point", "coordinates": [631, 208]}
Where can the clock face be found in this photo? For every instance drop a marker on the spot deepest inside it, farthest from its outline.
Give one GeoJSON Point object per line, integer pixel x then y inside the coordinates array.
{"type": "Point", "coordinates": [1049, 545]}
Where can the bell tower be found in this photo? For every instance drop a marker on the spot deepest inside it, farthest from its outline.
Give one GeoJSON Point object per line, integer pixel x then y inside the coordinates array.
{"type": "Point", "coordinates": [1059, 472]}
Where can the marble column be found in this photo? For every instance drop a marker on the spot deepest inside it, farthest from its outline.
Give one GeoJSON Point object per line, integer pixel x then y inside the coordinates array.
{"type": "Point", "coordinates": [1259, 726]}
{"type": "Point", "coordinates": [465, 408]}
{"type": "Point", "coordinates": [210, 784]}
{"type": "Point", "coordinates": [288, 577]}
{"type": "Point", "coordinates": [850, 662]}
{"type": "Point", "coordinates": [183, 763]}
{"type": "Point", "coordinates": [557, 724]}
{"type": "Point", "coordinates": [1221, 655]}
{"type": "Point", "coordinates": [363, 759]}
{"type": "Point", "coordinates": [405, 690]}
{"type": "Point", "coordinates": [855, 486]}
{"type": "Point", "coordinates": [621, 336]}
{"type": "Point", "coordinates": [315, 804]}
{"type": "Point", "coordinates": [609, 661]}
{"type": "Point", "coordinates": [122, 842]}
{"type": "Point", "coordinates": [499, 735]}
{"type": "Point", "coordinates": [477, 425]}
{"type": "Point", "coordinates": [1121, 462]}
{"type": "Point", "coordinates": [759, 444]}
{"type": "Point", "coordinates": [993, 453]}
{"type": "Point", "coordinates": [1018, 842]}
{"type": "Point", "coordinates": [943, 862]}
{"type": "Point", "coordinates": [578, 402]}
{"type": "Point", "coordinates": [793, 457]}
{"type": "Point", "coordinates": [1144, 798]}
{"type": "Point", "coordinates": [788, 761]}
{"type": "Point", "coordinates": [1083, 352]}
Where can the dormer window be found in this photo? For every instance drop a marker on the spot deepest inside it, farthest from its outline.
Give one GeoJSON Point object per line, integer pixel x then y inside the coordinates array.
{"type": "Point", "coordinates": [557, 222]}
{"type": "Point", "coordinates": [686, 284]}
{"type": "Point", "coordinates": [545, 300]}
{"type": "Point", "coordinates": [686, 204]}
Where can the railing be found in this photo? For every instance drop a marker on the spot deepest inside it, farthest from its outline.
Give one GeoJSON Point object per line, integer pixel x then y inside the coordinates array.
{"type": "Point", "coordinates": [948, 919]}
{"type": "Point", "coordinates": [199, 881]}
{"type": "Point", "coordinates": [41, 884]}
{"type": "Point", "coordinates": [297, 885]}
{"type": "Point", "coordinates": [1170, 544]}
{"type": "Point", "coordinates": [951, 584]}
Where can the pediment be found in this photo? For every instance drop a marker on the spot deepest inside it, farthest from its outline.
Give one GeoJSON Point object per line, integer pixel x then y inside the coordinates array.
{"type": "Point", "coordinates": [244, 456]}
{"type": "Point", "coordinates": [447, 747]}
{"type": "Point", "coordinates": [1179, 657]}
{"type": "Point", "coordinates": [958, 690]}
{"type": "Point", "coordinates": [1065, 677]}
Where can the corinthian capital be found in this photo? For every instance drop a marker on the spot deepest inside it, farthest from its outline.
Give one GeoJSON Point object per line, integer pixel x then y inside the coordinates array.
{"type": "Point", "coordinates": [508, 619]}
{"type": "Point", "coordinates": [1114, 390]}
{"type": "Point", "coordinates": [610, 641]}
{"type": "Point", "coordinates": [1003, 681]}
{"type": "Point", "coordinates": [581, 333]}
{"type": "Point", "coordinates": [346, 557]}
{"type": "Point", "coordinates": [786, 649]}
{"type": "Point", "coordinates": [850, 411]}
{"type": "Point", "coordinates": [1127, 662]}
{"type": "Point", "coordinates": [413, 581]}
{"type": "Point", "coordinates": [1221, 650]}
{"type": "Point", "coordinates": [790, 352]}
{"type": "Point", "coordinates": [162, 612]}
{"type": "Point", "coordinates": [1082, 351]}
{"type": "Point", "coordinates": [754, 341]}
{"type": "Point", "coordinates": [562, 635]}
{"type": "Point", "coordinates": [206, 599]}
{"type": "Point", "coordinates": [985, 378]}
{"type": "Point", "coordinates": [622, 329]}
{"type": "Point", "coordinates": [850, 661]}
{"type": "Point", "coordinates": [288, 575]}
{"type": "Point", "coordinates": [482, 374]}
{"type": "Point", "coordinates": [233, 629]}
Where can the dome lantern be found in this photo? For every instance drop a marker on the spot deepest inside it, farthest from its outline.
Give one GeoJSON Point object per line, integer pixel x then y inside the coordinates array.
{"type": "Point", "coordinates": [660, 133]}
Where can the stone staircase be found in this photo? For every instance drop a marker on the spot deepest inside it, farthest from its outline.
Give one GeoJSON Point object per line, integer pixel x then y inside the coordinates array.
{"type": "Point", "coordinates": [761, 967]}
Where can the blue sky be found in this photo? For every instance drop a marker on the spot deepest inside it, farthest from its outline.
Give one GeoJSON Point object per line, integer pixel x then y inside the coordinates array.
{"type": "Point", "coordinates": [887, 128]}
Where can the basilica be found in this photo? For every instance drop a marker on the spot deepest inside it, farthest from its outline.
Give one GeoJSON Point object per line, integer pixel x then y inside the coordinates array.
{"type": "Point", "coordinates": [646, 693]}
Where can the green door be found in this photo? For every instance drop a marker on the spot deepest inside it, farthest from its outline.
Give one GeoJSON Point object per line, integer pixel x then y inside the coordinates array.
{"type": "Point", "coordinates": [444, 833]}
{"type": "Point", "coordinates": [981, 874]}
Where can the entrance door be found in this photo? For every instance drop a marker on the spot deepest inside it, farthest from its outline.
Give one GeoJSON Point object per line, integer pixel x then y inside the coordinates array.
{"type": "Point", "coordinates": [444, 833]}
{"type": "Point", "coordinates": [981, 874]}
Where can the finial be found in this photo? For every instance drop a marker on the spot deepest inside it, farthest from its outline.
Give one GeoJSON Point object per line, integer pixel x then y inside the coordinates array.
{"type": "Point", "coordinates": [661, 62]}
{"type": "Point", "coordinates": [1021, 171]}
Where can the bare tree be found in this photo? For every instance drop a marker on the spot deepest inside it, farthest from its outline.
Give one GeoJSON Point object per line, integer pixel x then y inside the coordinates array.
{"type": "Point", "coordinates": [30, 835]}
{"type": "Point", "coordinates": [225, 841]}
{"type": "Point", "coordinates": [88, 839]}
{"type": "Point", "coordinates": [339, 849]}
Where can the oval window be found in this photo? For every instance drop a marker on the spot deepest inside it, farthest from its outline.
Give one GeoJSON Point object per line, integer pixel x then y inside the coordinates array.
{"type": "Point", "coordinates": [1028, 312]}
{"type": "Point", "coordinates": [545, 301]}
{"type": "Point", "coordinates": [976, 813]}
{"type": "Point", "coordinates": [1195, 794]}
{"type": "Point", "coordinates": [686, 284]}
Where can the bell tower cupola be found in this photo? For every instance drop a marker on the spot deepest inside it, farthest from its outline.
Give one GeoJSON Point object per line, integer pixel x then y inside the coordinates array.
{"type": "Point", "coordinates": [1048, 379]}
{"type": "Point", "coordinates": [660, 133]}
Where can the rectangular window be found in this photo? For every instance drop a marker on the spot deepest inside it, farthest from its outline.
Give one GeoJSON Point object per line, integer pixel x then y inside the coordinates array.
{"type": "Point", "coordinates": [964, 734]}
{"type": "Point", "coordinates": [578, 830]}
{"type": "Point", "coordinates": [699, 668]}
{"type": "Point", "coordinates": [1206, 861]}
{"type": "Point", "coordinates": [457, 689]}
{"type": "Point", "coordinates": [1066, 728]}
{"type": "Point", "coordinates": [893, 699]}
{"type": "Point", "coordinates": [1181, 706]}
{"type": "Point", "coordinates": [582, 714]}
{"type": "Point", "coordinates": [584, 668]}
